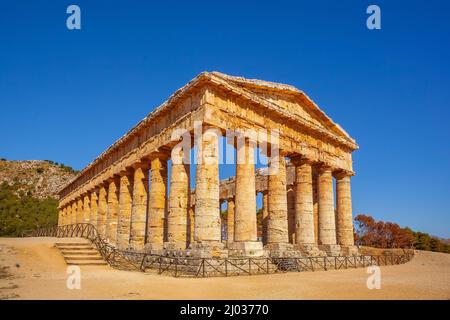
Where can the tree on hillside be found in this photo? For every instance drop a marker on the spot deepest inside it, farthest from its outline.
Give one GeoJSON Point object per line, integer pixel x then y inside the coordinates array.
{"type": "Point", "coordinates": [19, 213]}
{"type": "Point", "coordinates": [382, 234]}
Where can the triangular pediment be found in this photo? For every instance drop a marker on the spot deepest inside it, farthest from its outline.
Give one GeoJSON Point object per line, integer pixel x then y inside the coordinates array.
{"type": "Point", "coordinates": [289, 99]}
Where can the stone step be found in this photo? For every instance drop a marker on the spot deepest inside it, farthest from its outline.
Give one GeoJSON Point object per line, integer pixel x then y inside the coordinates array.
{"type": "Point", "coordinates": [80, 253]}
{"type": "Point", "coordinates": [76, 248]}
{"type": "Point", "coordinates": [86, 262]}
{"type": "Point", "coordinates": [76, 252]}
{"type": "Point", "coordinates": [82, 257]}
{"type": "Point", "coordinates": [72, 243]}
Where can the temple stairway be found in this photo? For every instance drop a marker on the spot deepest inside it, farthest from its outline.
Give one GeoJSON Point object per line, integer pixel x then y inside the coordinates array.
{"type": "Point", "coordinates": [80, 252]}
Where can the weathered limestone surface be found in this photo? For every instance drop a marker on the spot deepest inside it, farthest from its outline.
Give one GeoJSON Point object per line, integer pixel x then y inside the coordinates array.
{"type": "Point", "coordinates": [327, 222]}
{"type": "Point", "coordinates": [101, 211]}
{"type": "Point", "coordinates": [86, 208]}
{"type": "Point", "coordinates": [207, 213]}
{"type": "Point", "coordinates": [74, 212]}
{"type": "Point", "coordinates": [177, 224]}
{"type": "Point", "coordinates": [80, 211]}
{"type": "Point", "coordinates": [230, 220]}
{"type": "Point", "coordinates": [125, 205]}
{"type": "Point", "coordinates": [112, 210]}
{"type": "Point", "coordinates": [245, 205]}
{"type": "Point", "coordinates": [245, 226]}
{"type": "Point", "coordinates": [265, 217]}
{"type": "Point", "coordinates": [93, 208]}
{"type": "Point", "coordinates": [139, 207]}
{"type": "Point", "coordinates": [344, 221]}
{"type": "Point", "coordinates": [157, 203]}
{"type": "Point", "coordinates": [68, 219]}
{"type": "Point", "coordinates": [291, 213]}
{"type": "Point", "coordinates": [304, 210]}
{"type": "Point", "coordinates": [277, 228]}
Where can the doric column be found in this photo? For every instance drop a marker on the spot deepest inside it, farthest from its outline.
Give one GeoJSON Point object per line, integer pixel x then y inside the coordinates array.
{"type": "Point", "coordinates": [245, 227]}
{"type": "Point", "coordinates": [191, 224]}
{"type": "Point", "coordinates": [74, 214]}
{"type": "Point", "coordinates": [68, 214]}
{"type": "Point", "coordinates": [316, 204]}
{"type": "Point", "coordinates": [344, 220]}
{"type": "Point", "coordinates": [86, 208]}
{"type": "Point", "coordinates": [125, 205]}
{"type": "Point", "coordinates": [60, 217]}
{"type": "Point", "coordinates": [66, 219]}
{"type": "Point", "coordinates": [93, 208]}
{"type": "Point", "coordinates": [101, 211]}
{"type": "Point", "coordinates": [207, 211]}
{"type": "Point", "coordinates": [291, 214]}
{"type": "Point", "coordinates": [304, 210]}
{"type": "Point", "coordinates": [265, 217]}
{"type": "Point", "coordinates": [327, 223]}
{"type": "Point", "coordinates": [245, 210]}
{"type": "Point", "coordinates": [230, 220]}
{"type": "Point", "coordinates": [178, 202]}
{"type": "Point", "coordinates": [112, 210]}
{"type": "Point", "coordinates": [80, 211]}
{"type": "Point", "coordinates": [277, 229]}
{"type": "Point", "coordinates": [157, 203]}
{"type": "Point", "coordinates": [139, 208]}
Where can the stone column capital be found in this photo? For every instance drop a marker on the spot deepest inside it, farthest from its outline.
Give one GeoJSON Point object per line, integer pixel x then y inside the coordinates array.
{"type": "Point", "coordinates": [322, 167]}
{"type": "Point", "coordinates": [343, 174]}
{"type": "Point", "coordinates": [160, 154]}
{"type": "Point", "coordinates": [112, 179]}
{"type": "Point", "coordinates": [126, 172]}
{"type": "Point", "coordinates": [301, 160]}
{"type": "Point", "coordinates": [141, 164]}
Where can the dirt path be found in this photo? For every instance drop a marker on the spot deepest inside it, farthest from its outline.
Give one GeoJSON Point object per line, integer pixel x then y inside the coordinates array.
{"type": "Point", "coordinates": [32, 268]}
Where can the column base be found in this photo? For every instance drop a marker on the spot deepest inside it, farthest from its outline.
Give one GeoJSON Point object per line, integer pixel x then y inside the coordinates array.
{"type": "Point", "coordinates": [174, 249]}
{"type": "Point", "coordinates": [349, 250]}
{"type": "Point", "coordinates": [245, 249]}
{"type": "Point", "coordinates": [309, 250]}
{"type": "Point", "coordinates": [282, 250]}
{"type": "Point", "coordinates": [153, 248]}
{"type": "Point", "coordinates": [207, 249]}
{"type": "Point", "coordinates": [331, 249]}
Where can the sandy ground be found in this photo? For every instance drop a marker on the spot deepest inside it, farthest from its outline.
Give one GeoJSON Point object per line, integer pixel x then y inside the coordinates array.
{"type": "Point", "coordinates": [32, 268]}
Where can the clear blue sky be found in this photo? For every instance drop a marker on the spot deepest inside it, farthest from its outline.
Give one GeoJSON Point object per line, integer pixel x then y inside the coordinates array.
{"type": "Point", "coordinates": [67, 95]}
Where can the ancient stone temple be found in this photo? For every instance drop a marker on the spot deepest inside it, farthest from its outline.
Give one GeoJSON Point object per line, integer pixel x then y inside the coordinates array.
{"type": "Point", "coordinates": [128, 194]}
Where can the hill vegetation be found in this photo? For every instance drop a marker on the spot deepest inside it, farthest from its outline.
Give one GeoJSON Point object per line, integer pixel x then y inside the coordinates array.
{"type": "Point", "coordinates": [28, 194]}
{"type": "Point", "coordinates": [380, 234]}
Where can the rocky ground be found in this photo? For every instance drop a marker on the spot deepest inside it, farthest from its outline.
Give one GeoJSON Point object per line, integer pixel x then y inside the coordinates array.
{"type": "Point", "coordinates": [32, 268]}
